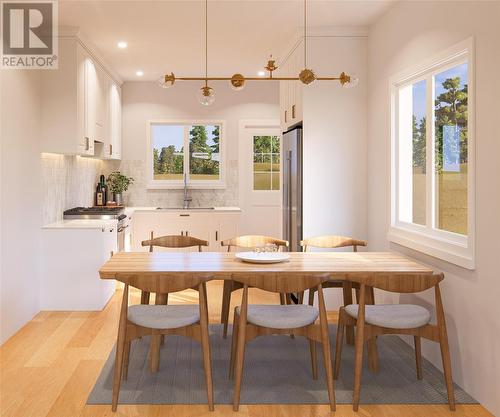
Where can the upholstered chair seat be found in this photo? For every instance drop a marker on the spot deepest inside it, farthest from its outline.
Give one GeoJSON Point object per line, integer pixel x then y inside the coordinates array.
{"type": "Point", "coordinates": [281, 316]}
{"type": "Point", "coordinates": [164, 316]}
{"type": "Point", "coordinates": [393, 316]}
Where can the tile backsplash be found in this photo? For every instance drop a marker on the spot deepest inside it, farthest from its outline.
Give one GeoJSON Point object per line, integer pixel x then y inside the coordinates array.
{"type": "Point", "coordinates": [139, 195]}
{"type": "Point", "coordinates": [68, 181]}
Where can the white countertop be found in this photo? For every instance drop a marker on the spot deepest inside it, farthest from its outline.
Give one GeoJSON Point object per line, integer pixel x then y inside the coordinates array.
{"type": "Point", "coordinates": [81, 224]}
{"type": "Point", "coordinates": [175, 209]}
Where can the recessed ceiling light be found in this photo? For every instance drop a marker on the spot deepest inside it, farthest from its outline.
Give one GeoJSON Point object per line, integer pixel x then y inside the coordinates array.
{"type": "Point", "coordinates": [139, 73]}
{"type": "Point", "coordinates": [261, 73]}
{"type": "Point", "coordinates": [122, 44]}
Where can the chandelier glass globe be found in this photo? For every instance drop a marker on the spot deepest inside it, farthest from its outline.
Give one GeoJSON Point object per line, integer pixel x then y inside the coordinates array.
{"type": "Point", "coordinates": [167, 80]}
{"type": "Point", "coordinates": [206, 95]}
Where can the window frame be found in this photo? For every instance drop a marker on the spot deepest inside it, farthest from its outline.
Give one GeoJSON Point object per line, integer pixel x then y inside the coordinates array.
{"type": "Point", "coordinates": [179, 184]}
{"type": "Point", "coordinates": [449, 246]}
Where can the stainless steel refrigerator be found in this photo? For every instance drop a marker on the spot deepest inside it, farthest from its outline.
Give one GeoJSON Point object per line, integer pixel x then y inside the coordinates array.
{"type": "Point", "coordinates": [291, 145]}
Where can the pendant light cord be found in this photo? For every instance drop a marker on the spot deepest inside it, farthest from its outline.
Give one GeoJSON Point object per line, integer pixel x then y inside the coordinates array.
{"type": "Point", "coordinates": [206, 43]}
{"type": "Point", "coordinates": [305, 33]}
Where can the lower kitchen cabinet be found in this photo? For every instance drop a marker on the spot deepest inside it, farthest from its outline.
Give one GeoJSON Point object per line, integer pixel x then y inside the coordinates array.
{"type": "Point", "coordinates": [71, 259]}
{"type": "Point", "coordinates": [211, 226]}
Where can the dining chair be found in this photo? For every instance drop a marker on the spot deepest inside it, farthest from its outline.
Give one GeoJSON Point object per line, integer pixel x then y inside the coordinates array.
{"type": "Point", "coordinates": [372, 321]}
{"type": "Point", "coordinates": [333, 242]}
{"type": "Point", "coordinates": [251, 321]}
{"type": "Point", "coordinates": [141, 320]}
{"type": "Point", "coordinates": [247, 242]}
{"type": "Point", "coordinates": [171, 241]}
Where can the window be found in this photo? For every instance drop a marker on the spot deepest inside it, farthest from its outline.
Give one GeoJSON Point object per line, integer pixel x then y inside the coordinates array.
{"type": "Point", "coordinates": [432, 194]}
{"type": "Point", "coordinates": [190, 149]}
{"type": "Point", "coordinates": [266, 163]}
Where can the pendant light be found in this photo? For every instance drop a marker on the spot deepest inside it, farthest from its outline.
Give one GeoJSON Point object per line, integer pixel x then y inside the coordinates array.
{"type": "Point", "coordinates": [307, 75]}
{"type": "Point", "coordinates": [206, 94]}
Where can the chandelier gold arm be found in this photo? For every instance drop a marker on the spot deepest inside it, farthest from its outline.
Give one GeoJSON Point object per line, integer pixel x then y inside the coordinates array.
{"type": "Point", "coordinates": [339, 78]}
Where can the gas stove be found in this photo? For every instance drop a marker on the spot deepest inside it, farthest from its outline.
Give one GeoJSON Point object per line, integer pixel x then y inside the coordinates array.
{"type": "Point", "coordinates": [103, 213]}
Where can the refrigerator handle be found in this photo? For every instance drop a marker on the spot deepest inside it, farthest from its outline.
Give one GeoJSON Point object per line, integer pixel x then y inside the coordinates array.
{"type": "Point", "coordinates": [289, 198]}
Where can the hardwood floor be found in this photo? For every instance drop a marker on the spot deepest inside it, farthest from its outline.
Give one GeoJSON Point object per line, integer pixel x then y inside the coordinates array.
{"type": "Point", "coordinates": [49, 367]}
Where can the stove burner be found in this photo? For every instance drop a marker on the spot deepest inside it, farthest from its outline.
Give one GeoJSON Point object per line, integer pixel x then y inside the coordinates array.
{"type": "Point", "coordinates": [95, 210]}
{"type": "Point", "coordinates": [94, 213]}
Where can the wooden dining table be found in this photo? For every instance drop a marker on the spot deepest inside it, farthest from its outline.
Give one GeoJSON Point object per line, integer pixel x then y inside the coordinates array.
{"type": "Point", "coordinates": [224, 265]}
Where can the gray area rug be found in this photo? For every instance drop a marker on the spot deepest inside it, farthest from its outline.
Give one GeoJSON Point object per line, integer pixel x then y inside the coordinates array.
{"type": "Point", "coordinates": [277, 371]}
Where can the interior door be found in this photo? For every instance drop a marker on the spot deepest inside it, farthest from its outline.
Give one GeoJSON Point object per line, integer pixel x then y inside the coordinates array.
{"type": "Point", "coordinates": [260, 178]}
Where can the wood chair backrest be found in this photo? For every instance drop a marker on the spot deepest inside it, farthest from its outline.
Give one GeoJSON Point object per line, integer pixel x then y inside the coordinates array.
{"type": "Point", "coordinates": [162, 283]}
{"type": "Point", "coordinates": [331, 242]}
{"type": "Point", "coordinates": [399, 283]}
{"type": "Point", "coordinates": [291, 283]}
{"type": "Point", "coordinates": [174, 241]}
{"type": "Point", "coordinates": [253, 241]}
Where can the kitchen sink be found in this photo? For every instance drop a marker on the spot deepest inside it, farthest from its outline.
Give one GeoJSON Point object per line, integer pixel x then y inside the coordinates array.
{"type": "Point", "coordinates": [181, 208]}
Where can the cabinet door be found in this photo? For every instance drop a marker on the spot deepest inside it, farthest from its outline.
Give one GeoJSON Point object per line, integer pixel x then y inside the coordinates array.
{"type": "Point", "coordinates": [227, 226]}
{"type": "Point", "coordinates": [89, 101]}
{"type": "Point", "coordinates": [299, 63]}
{"type": "Point", "coordinates": [112, 148]}
{"type": "Point", "coordinates": [159, 223]}
{"type": "Point", "coordinates": [101, 104]}
{"type": "Point", "coordinates": [199, 225]}
{"type": "Point", "coordinates": [84, 144]}
{"type": "Point", "coordinates": [91, 92]}
{"type": "Point", "coordinates": [164, 224]}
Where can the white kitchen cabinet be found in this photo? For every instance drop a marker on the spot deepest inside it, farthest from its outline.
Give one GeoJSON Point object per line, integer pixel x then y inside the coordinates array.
{"type": "Point", "coordinates": [227, 228]}
{"type": "Point", "coordinates": [291, 91]}
{"type": "Point", "coordinates": [96, 85]}
{"type": "Point", "coordinates": [212, 226]}
{"type": "Point", "coordinates": [72, 253]}
{"type": "Point", "coordinates": [76, 109]}
{"type": "Point", "coordinates": [114, 140]}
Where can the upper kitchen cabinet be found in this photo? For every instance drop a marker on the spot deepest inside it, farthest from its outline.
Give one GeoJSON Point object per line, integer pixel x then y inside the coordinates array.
{"type": "Point", "coordinates": [113, 144]}
{"type": "Point", "coordinates": [291, 91]}
{"type": "Point", "coordinates": [81, 105]}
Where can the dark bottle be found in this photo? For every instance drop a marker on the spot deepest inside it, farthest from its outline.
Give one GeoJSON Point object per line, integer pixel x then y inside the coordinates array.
{"type": "Point", "coordinates": [104, 188]}
{"type": "Point", "coordinates": [99, 196]}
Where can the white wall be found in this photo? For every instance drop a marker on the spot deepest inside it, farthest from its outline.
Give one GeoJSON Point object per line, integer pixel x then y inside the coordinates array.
{"type": "Point", "coordinates": [20, 199]}
{"type": "Point", "coordinates": [143, 101]}
{"type": "Point", "coordinates": [409, 33]}
{"type": "Point", "coordinates": [335, 143]}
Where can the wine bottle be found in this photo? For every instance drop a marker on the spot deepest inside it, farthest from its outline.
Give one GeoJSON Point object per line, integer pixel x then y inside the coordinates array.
{"type": "Point", "coordinates": [104, 189]}
{"type": "Point", "coordinates": [99, 196]}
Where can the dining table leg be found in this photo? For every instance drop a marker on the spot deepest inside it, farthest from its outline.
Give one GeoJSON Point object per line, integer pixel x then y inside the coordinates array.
{"type": "Point", "coordinates": [373, 362]}
{"type": "Point", "coordinates": [349, 330]}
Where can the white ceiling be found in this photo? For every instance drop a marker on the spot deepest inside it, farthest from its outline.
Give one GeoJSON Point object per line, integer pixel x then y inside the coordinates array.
{"type": "Point", "coordinates": [169, 35]}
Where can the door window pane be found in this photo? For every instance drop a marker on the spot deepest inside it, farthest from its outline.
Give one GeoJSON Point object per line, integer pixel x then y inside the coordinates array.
{"type": "Point", "coordinates": [168, 152]}
{"type": "Point", "coordinates": [266, 163]}
{"type": "Point", "coordinates": [451, 136]}
{"type": "Point", "coordinates": [204, 152]}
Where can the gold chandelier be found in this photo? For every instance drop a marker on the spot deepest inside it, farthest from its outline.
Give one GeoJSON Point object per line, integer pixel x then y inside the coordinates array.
{"type": "Point", "coordinates": [206, 94]}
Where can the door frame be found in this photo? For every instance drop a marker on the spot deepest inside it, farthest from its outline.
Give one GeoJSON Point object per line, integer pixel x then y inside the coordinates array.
{"type": "Point", "coordinates": [243, 176]}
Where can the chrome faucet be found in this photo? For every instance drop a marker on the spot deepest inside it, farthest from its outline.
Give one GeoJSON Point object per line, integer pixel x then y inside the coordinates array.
{"type": "Point", "coordinates": [187, 199]}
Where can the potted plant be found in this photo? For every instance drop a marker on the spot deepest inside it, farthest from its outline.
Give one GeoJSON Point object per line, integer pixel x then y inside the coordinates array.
{"type": "Point", "coordinates": [118, 183]}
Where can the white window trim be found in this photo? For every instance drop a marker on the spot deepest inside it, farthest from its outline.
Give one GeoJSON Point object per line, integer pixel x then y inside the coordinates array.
{"type": "Point", "coordinates": [153, 184]}
{"type": "Point", "coordinates": [451, 247]}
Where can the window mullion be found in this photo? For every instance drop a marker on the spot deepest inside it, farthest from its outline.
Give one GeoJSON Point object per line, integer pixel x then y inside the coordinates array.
{"type": "Point", "coordinates": [429, 154]}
